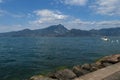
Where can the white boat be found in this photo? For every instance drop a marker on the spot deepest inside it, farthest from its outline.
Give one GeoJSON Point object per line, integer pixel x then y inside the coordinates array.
{"type": "Point", "coordinates": [105, 38]}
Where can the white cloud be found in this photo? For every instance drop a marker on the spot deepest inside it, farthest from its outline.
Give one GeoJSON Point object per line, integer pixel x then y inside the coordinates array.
{"type": "Point", "coordinates": [107, 7]}
{"type": "Point", "coordinates": [74, 2]}
{"type": "Point", "coordinates": [70, 23]}
{"type": "Point", "coordinates": [1, 1]}
{"type": "Point", "coordinates": [6, 28]}
{"type": "Point", "coordinates": [87, 25]}
{"type": "Point", "coordinates": [48, 16]}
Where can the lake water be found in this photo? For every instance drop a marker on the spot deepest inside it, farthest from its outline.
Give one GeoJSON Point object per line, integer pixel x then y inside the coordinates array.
{"type": "Point", "coordinates": [21, 58]}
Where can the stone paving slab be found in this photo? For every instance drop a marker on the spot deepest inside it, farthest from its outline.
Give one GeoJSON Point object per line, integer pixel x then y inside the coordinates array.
{"type": "Point", "coordinates": [115, 76]}
{"type": "Point", "coordinates": [108, 73]}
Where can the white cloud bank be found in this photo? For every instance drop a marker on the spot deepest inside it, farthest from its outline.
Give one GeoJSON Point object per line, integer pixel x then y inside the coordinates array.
{"type": "Point", "coordinates": [102, 7]}
{"type": "Point", "coordinates": [10, 28]}
{"type": "Point", "coordinates": [74, 2]}
{"type": "Point", "coordinates": [107, 7]}
{"type": "Point", "coordinates": [88, 25]}
{"type": "Point", "coordinates": [47, 17]}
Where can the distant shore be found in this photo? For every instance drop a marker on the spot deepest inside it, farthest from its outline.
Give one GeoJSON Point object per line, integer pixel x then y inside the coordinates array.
{"type": "Point", "coordinates": [79, 70]}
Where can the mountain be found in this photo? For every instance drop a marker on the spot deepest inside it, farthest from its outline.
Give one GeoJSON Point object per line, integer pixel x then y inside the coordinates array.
{"type": "Point", "coordinates": [54, 30]}
{"type": "Point", "coordinates": [106, 32]}
{"type": "Point", "coordinates": [61, 31]}
{"type": "Point", "coordinates": [77, 32]}
{"type": "Point", "coordinates": [110, 32]}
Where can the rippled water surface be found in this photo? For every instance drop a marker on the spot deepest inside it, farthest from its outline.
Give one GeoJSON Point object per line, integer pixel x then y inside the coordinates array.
{"type": "Point", "coordinates": [21, 58]}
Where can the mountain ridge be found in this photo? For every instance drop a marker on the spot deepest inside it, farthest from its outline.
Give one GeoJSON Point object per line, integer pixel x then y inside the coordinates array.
{"type": "Point", "coordinates": [60, 31]}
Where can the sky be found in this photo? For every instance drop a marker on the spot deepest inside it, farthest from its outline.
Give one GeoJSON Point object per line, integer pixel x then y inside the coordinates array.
{"type": "Point", "coordinates": [79, 14]}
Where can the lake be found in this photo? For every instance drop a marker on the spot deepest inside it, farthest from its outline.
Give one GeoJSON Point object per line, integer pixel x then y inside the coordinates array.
{"type": "Point", "coordinates": [22, 57]}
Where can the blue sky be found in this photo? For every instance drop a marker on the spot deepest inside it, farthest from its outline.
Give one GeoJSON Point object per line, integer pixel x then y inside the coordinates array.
{"type": "Point", "coordinates": [80, 14]}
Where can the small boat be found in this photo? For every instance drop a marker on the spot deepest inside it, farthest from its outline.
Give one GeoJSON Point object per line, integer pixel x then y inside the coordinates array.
{"type": "Point", "coordinates": [105, 38]}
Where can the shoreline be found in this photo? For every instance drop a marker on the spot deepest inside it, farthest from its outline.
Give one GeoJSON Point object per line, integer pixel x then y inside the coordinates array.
{"type": "Point", "coordinates": [79, 70]}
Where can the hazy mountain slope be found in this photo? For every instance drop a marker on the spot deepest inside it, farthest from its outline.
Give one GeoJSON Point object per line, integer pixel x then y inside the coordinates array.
{"type": "Point", "coordinates": [61, 31]}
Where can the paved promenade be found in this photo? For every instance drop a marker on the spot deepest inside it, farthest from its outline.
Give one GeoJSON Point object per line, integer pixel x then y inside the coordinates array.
{"type": "Point", "coordinates": [108, 73]}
